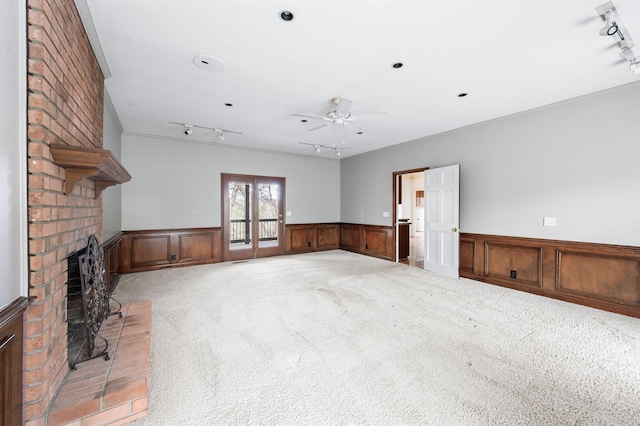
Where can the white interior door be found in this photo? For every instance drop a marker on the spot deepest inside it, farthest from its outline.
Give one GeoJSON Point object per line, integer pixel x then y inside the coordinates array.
{"type": "Point", "coordinates": [442, 220]}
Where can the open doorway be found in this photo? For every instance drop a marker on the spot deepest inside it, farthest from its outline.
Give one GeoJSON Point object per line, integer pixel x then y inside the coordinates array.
{"type": "Point", "coordinates": [408, 216]}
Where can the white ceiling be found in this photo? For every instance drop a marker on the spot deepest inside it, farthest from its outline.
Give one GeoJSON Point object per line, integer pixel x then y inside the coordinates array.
{"type": "Point", "coordinates": [509, 56]}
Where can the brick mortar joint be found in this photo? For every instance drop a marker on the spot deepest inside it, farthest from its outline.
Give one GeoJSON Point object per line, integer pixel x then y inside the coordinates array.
{"type": "Point", "coordinates": [31, 7]}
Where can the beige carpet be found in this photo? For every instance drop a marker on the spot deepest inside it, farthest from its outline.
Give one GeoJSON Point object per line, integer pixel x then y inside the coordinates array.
{"type": "Point", "coordinates": [336, 338]}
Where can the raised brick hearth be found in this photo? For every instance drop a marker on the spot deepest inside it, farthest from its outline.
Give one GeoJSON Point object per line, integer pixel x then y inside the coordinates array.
{"type": "Point", "coordinates": [110, 392]}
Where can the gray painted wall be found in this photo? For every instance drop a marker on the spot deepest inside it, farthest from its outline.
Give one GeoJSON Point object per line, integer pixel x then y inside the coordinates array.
{"type": "Point", "coordinates": [176, 183]}
{"type": "Point", "coordinates": [576, 161]}
{"type": "Point", "coordinates": [112, 196]}
{"type": "Point", "coordinates": [13, 214]}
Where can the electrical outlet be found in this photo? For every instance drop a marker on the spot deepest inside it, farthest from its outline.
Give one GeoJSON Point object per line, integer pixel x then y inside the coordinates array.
{"type": "Point", "coordinates": [549, 221]}
{"type": "Point", "coordinates": [514, 274]}
{"type": "Point", "coordinates": [173, 257]}
{"type": "Point", "coordinates": [385, 214]}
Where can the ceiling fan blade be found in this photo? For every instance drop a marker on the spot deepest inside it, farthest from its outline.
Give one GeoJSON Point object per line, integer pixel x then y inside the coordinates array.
{"type": "Point", "coordinates": [375, 116]}
{"type": "Point", "coordinates": [320, 127]}
{"type": "Point", "coordinates": [310, 116]}
{"type": "Point", "coordinates": [344, 105]}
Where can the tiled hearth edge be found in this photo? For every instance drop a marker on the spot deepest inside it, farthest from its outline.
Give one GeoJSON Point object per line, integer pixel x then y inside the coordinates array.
{"type": "Point", "coordinates": [112, 392]}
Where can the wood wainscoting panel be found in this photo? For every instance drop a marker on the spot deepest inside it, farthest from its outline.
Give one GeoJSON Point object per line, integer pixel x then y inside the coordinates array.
{"type": "Point", "coordinates": [378, 241]}
{"type": "Point", "coordinates": [600, 277]}
{"type": "Point", "coordinates": [350, 237]}
{"type": "Point", "coordinates": [195, 247]}
{"type": "Point", "coordinates": [12, 344]}
{"type": "Point", "coordinates": [467, 256]}
{"type": "Point", "coordinates": [371, 240]}
{"type": "Point", "coordinates": [299, 238]}
{"type": "Point", "coordinates": [157, 249]}
{"type": "Point", "coordinates": [502, 260]}
{"type": "Point", "coordinates": [112, 248]}
{"type": "Point", "coordinates": [328, 236]}
{"type": "Point", "coordinates": [303, 238]}
{"type": "Point", "coordinates": [150, 250]}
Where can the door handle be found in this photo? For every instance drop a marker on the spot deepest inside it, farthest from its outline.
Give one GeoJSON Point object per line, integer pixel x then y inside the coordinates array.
{"type": "Point", "coordinates": [454, 230]}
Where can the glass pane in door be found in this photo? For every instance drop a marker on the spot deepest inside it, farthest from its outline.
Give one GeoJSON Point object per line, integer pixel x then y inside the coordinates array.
{"type": "Point", "coordinates": [269, 214]}
{"type": "Point", "coordinates": [240, 212]}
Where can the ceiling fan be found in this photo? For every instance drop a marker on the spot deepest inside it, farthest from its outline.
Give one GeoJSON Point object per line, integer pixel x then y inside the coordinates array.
{"type": "Point", "coordinates": [342, 115]}
{"type": "Point", "coordinates": [188, 129]}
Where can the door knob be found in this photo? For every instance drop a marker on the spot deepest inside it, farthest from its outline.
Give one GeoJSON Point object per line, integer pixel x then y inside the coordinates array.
{"type": "Point", "coordinates": [454, 230]}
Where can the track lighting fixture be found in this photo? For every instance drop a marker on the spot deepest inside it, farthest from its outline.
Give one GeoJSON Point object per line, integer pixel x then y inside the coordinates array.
{"type": "Point", "coordinates": [188, 129]}
{"type": "Point", "coordinates": [614, 28]}
{"type": "Point", "coordinates": [320, 148]}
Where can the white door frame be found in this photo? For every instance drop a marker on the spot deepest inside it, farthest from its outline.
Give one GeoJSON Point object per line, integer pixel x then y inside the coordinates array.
{"type": "Point", "coordinates": [396, 194]}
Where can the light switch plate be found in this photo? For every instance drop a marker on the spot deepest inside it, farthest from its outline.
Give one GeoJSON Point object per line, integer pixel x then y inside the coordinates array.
{"type": "Point", "coordinates": [549, 221]}
{"type": "Point", "coordinates": [288, 213]}
{"type": "Point", "coordinates": [385, 214]}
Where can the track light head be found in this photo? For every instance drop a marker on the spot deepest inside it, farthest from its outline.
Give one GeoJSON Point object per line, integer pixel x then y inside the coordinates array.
{"type": "Point", "coordinates": [610, 27]}
{"type": "Point", "coordinates": [317, 148]}
{"type": "Point", "coordinates": [188, 129]}
{"type": "Point", "coordinates": [220, 135]}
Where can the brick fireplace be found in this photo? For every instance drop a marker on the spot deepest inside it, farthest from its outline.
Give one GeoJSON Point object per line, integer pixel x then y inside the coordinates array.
{"type": "Point", "coordinates": [65, 106]}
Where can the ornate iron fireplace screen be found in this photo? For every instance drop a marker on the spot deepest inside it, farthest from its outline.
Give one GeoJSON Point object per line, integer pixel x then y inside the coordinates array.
{"type": "Point", "coordinates": [95, 302]}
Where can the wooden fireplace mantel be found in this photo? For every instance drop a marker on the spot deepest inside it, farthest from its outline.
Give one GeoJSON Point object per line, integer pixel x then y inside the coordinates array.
{"type": "Point", "coordinates": [96, 164]}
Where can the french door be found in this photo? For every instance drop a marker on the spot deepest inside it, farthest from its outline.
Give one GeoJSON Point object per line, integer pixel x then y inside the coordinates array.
{"type": "Point", "coordinates": [252, 216]}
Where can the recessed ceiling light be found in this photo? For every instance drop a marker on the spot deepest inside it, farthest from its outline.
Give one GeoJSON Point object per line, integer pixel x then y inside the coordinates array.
{"type": "Point", "coordinates": [360, 133]}
{"type": "Point", "coordinates": [229, 105]}
{"type": "Point", "coordinates": [303, 120]}
{"type": "Point", "coordinates": [462, 95]}
{"type": "Point", "coordinates": [285, 15]}
{"type": "Point", "coordinates": [397, 65]}
{"type": "Point", "coordinates": [208, 63]}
